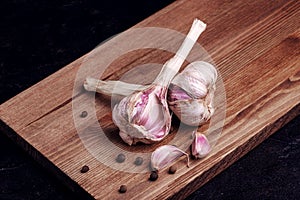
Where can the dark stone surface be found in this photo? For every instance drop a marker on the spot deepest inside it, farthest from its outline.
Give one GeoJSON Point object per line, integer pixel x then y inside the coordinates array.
{"type": "Point", "coordinates": [39, 37]}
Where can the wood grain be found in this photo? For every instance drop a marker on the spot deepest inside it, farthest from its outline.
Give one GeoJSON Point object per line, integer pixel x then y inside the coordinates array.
{"type": "Point", "coordinates": [255, 46]}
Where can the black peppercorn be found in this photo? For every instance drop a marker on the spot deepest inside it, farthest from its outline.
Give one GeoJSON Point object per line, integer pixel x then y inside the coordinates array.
{"type": "Point", "coordinates": [84, 169]}
{"type": "Point", "coordinates": [138, 161]}
{"type": "Point", "coordinates": [172, 169]}
{"type": "Point", "coordinates": [123, 189]}
{"type": "Point", "coordinates": [83, 114]}
{"type": "Point", "coordinates": [120, 158]}
{"type": "Point", "coordinates": [153, 176]}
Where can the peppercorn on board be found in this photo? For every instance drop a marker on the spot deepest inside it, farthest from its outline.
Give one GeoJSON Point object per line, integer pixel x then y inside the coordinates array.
{"type": "Point", "coordinates": [255, 46]}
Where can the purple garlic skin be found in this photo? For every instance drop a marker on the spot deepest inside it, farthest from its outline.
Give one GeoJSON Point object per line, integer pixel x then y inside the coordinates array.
{"type": "Point", "coordinates": [200, 145]}
{"type": "Point", "coordinates": [143, 116]}
{"type": "Point", "coordinates": [191, 93]}
{"type": "Point", "coordinates": [166, 155]}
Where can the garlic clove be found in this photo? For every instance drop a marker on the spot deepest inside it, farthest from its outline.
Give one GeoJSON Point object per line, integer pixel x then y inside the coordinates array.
{"type": "Point", "coordinates": [193, 112]}
{"type": "Point", "coordinates": [166, 155]}
{"type": "Point", "coordinates": [176, 93]}
{"type": "Point", "coordinates": [200, 145]}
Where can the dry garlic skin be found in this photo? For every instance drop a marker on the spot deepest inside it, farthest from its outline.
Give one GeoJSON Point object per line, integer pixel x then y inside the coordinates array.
{"type": "Point", "coordinates": [143, 116]}
{"type": "Point", "coordinates": [196, 79]}
{"type": "Point", "coordinates": [191, 93]}
{"type": "Point", "coordinates": [193, 112]}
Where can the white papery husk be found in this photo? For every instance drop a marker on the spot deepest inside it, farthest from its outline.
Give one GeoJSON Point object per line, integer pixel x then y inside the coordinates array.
{"type": "Point", "coordinates": [197, 80]}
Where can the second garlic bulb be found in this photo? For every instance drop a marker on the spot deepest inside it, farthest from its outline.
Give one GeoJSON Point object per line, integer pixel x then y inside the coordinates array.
{"type": "Point", "coordinates": [191, 93]}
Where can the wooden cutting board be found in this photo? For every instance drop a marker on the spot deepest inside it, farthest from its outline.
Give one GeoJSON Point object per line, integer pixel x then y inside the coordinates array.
{"type": "Point", "coordinates": [256, 48]}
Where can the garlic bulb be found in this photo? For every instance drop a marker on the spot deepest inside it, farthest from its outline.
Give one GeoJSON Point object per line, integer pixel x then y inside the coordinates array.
{"type": "Point", "coordinates": [191, 93]}
{"type": "Point", "coordinates": [200, 145]}
{"type": "Point", "coordinates": [144, 115]}
{"type": "Point", "coordinates": [165, 155]}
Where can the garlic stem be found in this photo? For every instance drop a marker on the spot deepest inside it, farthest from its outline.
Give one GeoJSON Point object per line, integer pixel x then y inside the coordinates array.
{"type": "Point", "coordinates": [111, 87]}
{"type": "Point", "coordinates": [166, 74]}
{"type": "Point", "coordinates": [171, 67]}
